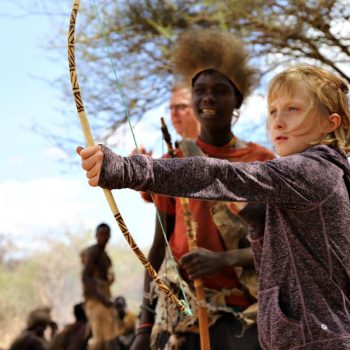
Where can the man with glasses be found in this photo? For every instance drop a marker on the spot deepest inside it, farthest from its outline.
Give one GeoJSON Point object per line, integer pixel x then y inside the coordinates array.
{"type": "Point", "coordinates": [181, 113]}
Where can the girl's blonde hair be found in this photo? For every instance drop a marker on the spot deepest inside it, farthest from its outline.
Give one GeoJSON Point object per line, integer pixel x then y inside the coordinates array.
{"type": "Point", "coordinates": [329, 93]}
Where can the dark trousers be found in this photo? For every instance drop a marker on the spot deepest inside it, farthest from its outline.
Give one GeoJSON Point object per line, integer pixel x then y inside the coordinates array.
{"type": "Point", "coordinates": [225, 334]}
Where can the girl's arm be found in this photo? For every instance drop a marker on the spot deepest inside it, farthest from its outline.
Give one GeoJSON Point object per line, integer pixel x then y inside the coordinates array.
{"type": "Point", "coordinates": [298, 179]}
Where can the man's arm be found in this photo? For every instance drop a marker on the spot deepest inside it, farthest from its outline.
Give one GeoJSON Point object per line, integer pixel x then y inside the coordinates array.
{"type": "Point", "coordinates": [202, 262]}
{"type": "Point", "coordinates": [242, 257]}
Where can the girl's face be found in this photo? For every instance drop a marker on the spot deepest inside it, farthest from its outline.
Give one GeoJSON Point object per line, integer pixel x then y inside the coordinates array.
{"type": "Point", "coordinates": [294, 124]}
{"type": "Point", "coordinates": [213, 99]}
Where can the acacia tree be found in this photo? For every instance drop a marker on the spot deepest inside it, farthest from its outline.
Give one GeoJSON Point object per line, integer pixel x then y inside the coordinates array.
{"type": "Point", "coordinates": [141, 35]}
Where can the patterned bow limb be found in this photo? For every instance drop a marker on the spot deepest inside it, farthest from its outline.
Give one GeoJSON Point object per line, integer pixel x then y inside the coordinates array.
{"type": "Point", "coordinates": [192, 245]}
{"type": "Point", "coordinates": [90, 142]}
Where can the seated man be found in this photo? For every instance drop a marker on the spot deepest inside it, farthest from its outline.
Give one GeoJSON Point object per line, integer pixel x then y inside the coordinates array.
{"type": "Point", "coordinates": [32, 337]}
{"type": "Point", "coordinates": [74, 336]}
{"type": "Point", "coordinates": [127, 321]}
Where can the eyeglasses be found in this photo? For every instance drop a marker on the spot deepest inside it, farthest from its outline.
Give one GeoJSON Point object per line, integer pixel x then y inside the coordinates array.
{"type": "Point", "coordinates": [179, 107]}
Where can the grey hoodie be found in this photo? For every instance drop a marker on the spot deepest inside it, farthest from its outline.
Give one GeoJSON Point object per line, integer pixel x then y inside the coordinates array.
{"type": "Point", "coordinates": [301, 243]}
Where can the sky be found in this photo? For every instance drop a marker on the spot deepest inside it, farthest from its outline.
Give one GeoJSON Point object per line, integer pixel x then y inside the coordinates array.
{"type": "Point", "coordinates": [41, 193]}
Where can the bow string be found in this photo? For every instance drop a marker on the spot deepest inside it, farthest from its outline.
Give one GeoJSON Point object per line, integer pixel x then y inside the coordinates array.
{"type": "Point", "coordinates": [181, 304]}
{"type": "Point", "coordinates": [192, 245]}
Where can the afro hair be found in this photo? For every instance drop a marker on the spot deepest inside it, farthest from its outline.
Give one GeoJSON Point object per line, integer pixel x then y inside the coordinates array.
{"type": "Point", "coordinates": [204, 49]}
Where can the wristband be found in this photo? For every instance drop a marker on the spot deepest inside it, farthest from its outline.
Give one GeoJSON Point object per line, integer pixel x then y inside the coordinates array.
{"type": "Point", "coordinates": [144, 328]}
{"type": "Point", "coordinates": [145, 325]}
{"type": "Point", "coordinates": [148, 308]}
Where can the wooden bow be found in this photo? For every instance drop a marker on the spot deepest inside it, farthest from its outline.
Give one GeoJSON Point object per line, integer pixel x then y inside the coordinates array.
{"type": "Point", "coordinates": [90, 142]}
{"type": "Point", "coordinates": [192, 244]}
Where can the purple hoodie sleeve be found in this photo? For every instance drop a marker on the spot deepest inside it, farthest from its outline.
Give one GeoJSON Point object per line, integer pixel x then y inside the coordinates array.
{"type": "Point", "coordinates": [294, 180]}
{"type": "Point", "coordinates": [254, 215]}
